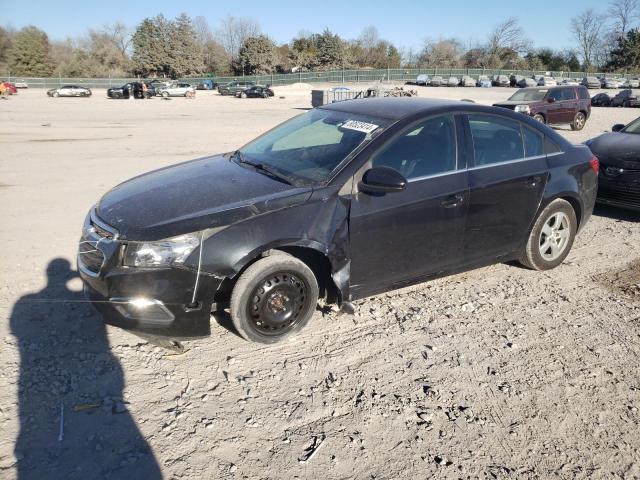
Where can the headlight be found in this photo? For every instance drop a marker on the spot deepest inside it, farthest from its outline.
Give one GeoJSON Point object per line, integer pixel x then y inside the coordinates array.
{"type": "Point", "coordinates": [522, 108]}
{"type": "Point", "coordinates": [161, 253]}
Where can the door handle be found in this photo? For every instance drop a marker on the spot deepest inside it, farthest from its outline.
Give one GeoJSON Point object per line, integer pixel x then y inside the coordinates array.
{"type": "Point", "coordinates": [452, 201]}
{"type": "Point", "coordinates": [532, 181]}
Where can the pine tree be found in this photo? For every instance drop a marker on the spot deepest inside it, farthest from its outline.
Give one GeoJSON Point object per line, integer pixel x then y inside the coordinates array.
{"type": "Point", "coordinates": [258, 56]}
{"type": "Point", "coordinates": [626, 55]}
{"type": "Point", "coordinates": [184, 52]}
{"type": "Point", "coordinates": [149, 55]}
{"type": "Point", "coordinates": [29, 54]}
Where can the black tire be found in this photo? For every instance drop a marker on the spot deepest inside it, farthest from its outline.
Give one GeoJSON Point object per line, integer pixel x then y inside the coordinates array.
{"type": "Point", "coordinates": [165, 94]}
{"type": "Point", "coordinates": [579, 121]}
{"type": "Point", "coordinates": [538, 117]}
{"type": "Point", "coordinates": [243, 95]}
{"type": "Point", "coordinates": [532, 255]}
{"type": "Point", "coordinates": [265, 95]}
{"type": "Point", "coordinates": [273, 299]}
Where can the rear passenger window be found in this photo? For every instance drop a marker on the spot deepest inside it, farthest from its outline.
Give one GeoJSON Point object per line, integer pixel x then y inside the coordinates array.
{"type": "Point", "coordinates": [495, 139]}
{"type": "Point", "coordinates": [533, 142]}
{"type": "Point", "coordinates": [568, 94]}
{"type": "Point", "coordinates": [583, 93]}
{"type": "Point", "coordinates": [427, 148]}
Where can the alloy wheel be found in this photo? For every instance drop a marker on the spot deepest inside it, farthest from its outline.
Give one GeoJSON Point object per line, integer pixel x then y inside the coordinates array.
{"type": "Point", "coordinates": [554, 236]}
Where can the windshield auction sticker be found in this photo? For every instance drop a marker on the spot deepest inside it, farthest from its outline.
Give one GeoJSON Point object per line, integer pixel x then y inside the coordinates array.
{"type": "Point", "coordinates": [359, 126]}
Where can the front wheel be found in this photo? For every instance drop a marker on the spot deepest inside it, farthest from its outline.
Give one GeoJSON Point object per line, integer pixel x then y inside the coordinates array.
{"type": "Point", "coordinates": [243, 95]}
{"type": "Point", "coordinates": [56, 94]}
{"type": "Point", "coordinates": [578, 121]}
{"type": "Point", "coordinates": [165, 94]}
{"type": "Point", "coordinates": [273, 299]}
{"type": "Point", "coordinates": [552, 236]}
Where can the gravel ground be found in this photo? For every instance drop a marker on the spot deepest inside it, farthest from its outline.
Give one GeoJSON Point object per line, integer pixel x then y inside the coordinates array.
{"type": "Point", "coordinates": [500, 372]}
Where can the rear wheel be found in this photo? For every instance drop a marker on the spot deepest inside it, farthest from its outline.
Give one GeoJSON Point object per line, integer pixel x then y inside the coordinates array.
{"type": "Point", "coordinates": [56, 94]}
{"type": "Point", "coordinates": [578, 121]}
{"type": "Point", "coordinates": [265, 95]}
{"type": "Point", "coordinates": [552, 236]}
{"type": "Point", "coordinates": [538, 117]}
{"type": "Point", "coordinates": [165, 94]}
{"type": "Point", "coordinates": [243, 95]}
{"type": "Point", "coordinates": [273, 299]}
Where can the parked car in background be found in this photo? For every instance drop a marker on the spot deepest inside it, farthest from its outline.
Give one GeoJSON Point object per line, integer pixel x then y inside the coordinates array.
{"type": "Point", "coordinates": [467, 81]}
{"type": "Point", "coordinates": [130, 89]}
{"type": "Point", "coordinates": [619, 154]}
{"type": "Point", "coordinates": [206, 85]}
{"type": "Point", "coordinates": [591, 82]}
{"type": "Point", "coordinates": [335, 204]}
{"type": "Point", "coordinates": [557, 105]}
{"type": "Point", "coordinates": [527, 82]}
{"type": "Point", "coordinates": [177, 90]}
{"type": "Point", "coordinates": [452, 81]}
{"type": "Point", "coordinates": [257, 91]}
{"type": "Point", "coordinates": [547, 82]}
{"type": "Point", "coordinates": [423, 80]}
{"type": "Point", "coordinates": [622, 82]}
{"type": "Point", "coordinates": [632, 83]}
{"type": "Point", "coordinates": [514, 80]}
{"type": "Point", "coordinates": [232, 88]}
{"type": "Point", "coordinates": [9, 88]}
{"type": "Point", "coordinates": [601, 100]}
{"type": "Point", "coordinates": [626, 98]}
{"type": "Point", "coordinates": [69, 91]}
{"type": "Point", "coordinates": [500, 81]}
{"type": "Point", "coordinates": [608, 82]}
{"type": "Point", "coordinates": [21, 85]}
{"type": "Point", "coordinates": [437, 81]}
{"type": "Point", "coordinates": [483, 81]}
{"type": "Point", "coordinates": [155, 84]}
{"type": "Point", "coordinates": [570, 82]}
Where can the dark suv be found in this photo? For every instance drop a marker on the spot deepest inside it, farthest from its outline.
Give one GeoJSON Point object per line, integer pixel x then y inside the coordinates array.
{"type": "Point", "coordinates": [234, 87]}
{"type": "Point", "coordinates": [552, 105]}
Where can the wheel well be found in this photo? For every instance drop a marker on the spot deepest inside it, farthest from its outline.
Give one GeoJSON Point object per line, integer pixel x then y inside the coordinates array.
{"type": "Point", "coordinates": [315, 260]}
{"type": "Point", "coordinates": [576, 208]}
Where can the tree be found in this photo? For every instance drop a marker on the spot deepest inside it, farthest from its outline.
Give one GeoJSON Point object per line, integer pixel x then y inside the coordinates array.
{"type": "Point", "coordinates": [234, 31]}
{"type": "Point", "coordinates": [441, 53]}
{"type": "Point", "coordinates": [6, 37]}
{"type": "Point", "coordinates": [624, 14]}
{"type": "Point", "coordinates": [184, 52]}
{"type": "Point", "coordinates": [626, 55]}
{"type": "Point", "coordinates": [504, 44]}
{"type": "Point", "coordinates": [332, 51]}
{"type": "Point", "coordinates": [257, 56]}
{"type": "Point", "coordinates": [149, 43]}
{"type": "Point", "coordinates": [586, 29]}
{"type": "Point", "coordinates": [29, 54]}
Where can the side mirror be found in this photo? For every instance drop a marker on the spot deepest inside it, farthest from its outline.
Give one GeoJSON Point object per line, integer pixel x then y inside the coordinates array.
{"type": "Point", "coordinates": [617, 127]}
{"type": "Point", "coordinates": [382, 180]}
{"type": "Point", "coordinates": [551, 100]}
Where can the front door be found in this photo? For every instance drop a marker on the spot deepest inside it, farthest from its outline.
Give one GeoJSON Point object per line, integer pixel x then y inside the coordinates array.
{"type": "Point", "coordinates": [401, 237]}
{"type": "Point", "coordinates": [506, 182]}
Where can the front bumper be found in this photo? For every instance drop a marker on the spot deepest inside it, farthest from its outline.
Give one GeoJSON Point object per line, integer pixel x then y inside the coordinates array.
{"type": "Point", "coordinates": [622, 190]}
{"type": "Point", "coordinates": [152, 301]}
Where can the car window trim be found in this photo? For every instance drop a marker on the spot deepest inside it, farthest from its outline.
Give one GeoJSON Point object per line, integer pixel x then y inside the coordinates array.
{"type": "Point", "coordinates": [411, 125]}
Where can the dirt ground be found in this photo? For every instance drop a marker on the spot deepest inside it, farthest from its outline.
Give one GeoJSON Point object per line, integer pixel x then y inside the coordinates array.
{"type": "Point", "coordinates": [500, 372]}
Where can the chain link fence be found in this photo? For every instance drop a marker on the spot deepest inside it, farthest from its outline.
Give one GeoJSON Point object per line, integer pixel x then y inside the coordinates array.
{"type": "Point", "coordinates": [330, 76]}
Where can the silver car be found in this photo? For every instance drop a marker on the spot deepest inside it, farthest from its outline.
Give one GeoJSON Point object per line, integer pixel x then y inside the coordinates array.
{"type": "Point", "coordinates": [467, 81]}
{"type": "Point", "coordinates": [177, 90]}
{"type": "Point", "coordinates": [69, 91]}
{"type": "Point", "coordinates": [631, 83]}
{"type": "Point", "coordinates": [437, 81]}
{"type": "Point", "coordinates": [547, 82]}
{"type": "Point", "coordinates": [453, 82]}
{"type": "Point", "coordinates": [527, 82]}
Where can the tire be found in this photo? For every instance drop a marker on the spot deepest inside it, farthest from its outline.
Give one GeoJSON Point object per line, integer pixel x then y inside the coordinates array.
{"type": "Point", "coordinates": [579, 121]}
{"type": "Point", "coordinates": [56, 94]}
{"type": "Point", "coordinates": [538, 117]}
{"type": "Point", "coordinates": [265, 95]}
{"type": "Point", "coordinates": [243, 95]}
{"type": "Point", "coordinates": [165, 94]}
{"type": "Point", "coordinates": [273, 299]}
{"type": "Point", "coordinates": [556, 225]}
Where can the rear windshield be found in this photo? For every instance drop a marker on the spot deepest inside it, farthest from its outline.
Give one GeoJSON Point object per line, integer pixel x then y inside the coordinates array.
{"type": "Point", "coordinates": [529, 95]}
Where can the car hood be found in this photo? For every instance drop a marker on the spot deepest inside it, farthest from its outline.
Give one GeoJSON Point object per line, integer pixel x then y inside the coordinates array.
{"type": "Point", "coordinates": [510, 103]}
{"type": "Point", "coordinates": [196, 195]}
{"type": "Point", "coordinates": [617, 148]}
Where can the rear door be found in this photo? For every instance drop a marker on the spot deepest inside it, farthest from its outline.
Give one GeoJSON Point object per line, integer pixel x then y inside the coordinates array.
{"type": "Point", "coordinates": [506, 181]}
{"type": "Point", "coordinates": [555, 108]}
{"type": "Point", "coordinates": [569, 104]}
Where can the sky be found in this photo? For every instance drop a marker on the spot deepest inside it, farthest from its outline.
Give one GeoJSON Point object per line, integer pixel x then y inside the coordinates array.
{"type": "Point", "coordinates": [406, 24]}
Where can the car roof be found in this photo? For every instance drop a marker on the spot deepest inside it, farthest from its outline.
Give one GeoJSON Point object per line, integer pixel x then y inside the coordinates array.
{"type": "Point", "coordinates": [397, 108]}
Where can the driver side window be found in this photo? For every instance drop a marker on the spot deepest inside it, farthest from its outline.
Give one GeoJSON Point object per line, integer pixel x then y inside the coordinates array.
{"type": "Point", "coordinates": [426, 148]}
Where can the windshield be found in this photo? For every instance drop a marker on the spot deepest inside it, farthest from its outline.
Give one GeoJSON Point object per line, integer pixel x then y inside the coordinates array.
{"type": "Point", "coordinates": [633, 127]}
{"type": "Point", "coordinates": [529, 95]}
{"type": "Point", "coordinates": [308, 148]}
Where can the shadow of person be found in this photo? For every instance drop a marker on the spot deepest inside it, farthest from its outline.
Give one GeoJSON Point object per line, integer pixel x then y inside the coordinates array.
{"type": "Point", "coordinates": [66, 365]}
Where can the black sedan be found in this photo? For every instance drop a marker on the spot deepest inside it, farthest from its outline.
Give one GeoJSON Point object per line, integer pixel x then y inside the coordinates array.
{"type": "Point", "coordinates": [256, 91]}
{"type": "Point", "coordinates": [69, 91]}
{"type": "Point", "coordinates": [626, 98]}
{"type": "Point", "coordinates": [601, 100]}
{"type": "Point", "coordinates": [619, 155]}
{"type": "Point", "coordinates": [345, 201]}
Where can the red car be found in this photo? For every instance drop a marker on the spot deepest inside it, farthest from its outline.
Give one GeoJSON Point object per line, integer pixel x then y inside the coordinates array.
{"type": "Point", "coordinates": [11, 88]}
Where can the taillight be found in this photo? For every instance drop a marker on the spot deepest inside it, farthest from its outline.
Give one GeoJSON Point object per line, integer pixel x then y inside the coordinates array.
{"type": "Point", "coordinates": [595, 164]}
